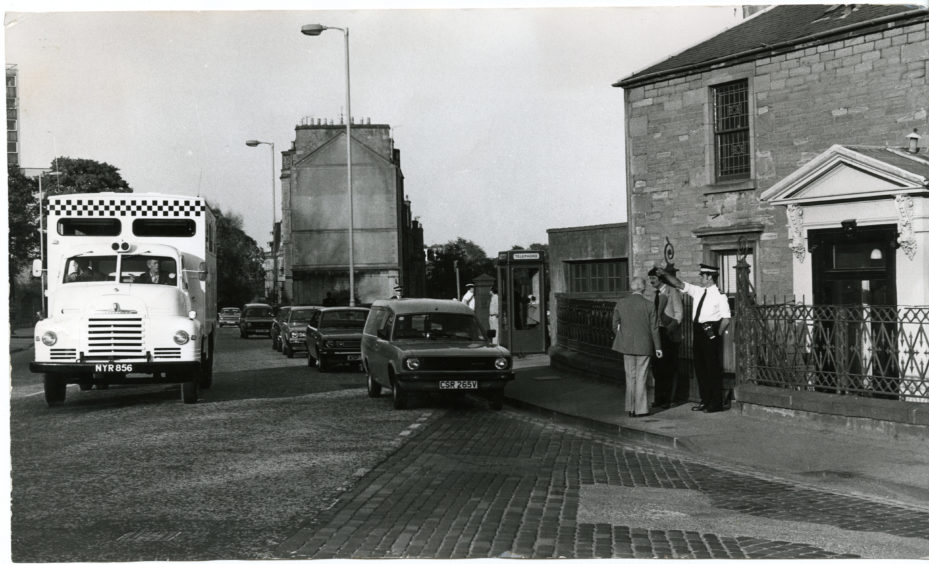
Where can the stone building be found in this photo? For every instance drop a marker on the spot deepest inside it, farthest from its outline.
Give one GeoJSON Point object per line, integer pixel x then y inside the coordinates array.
{"type": "Point", "coordinates": [714, 128]}
{"type": "Point", "coordinates": [388, 240]}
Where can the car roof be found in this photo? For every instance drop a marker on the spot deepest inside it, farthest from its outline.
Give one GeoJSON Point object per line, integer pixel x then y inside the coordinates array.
{"type": "Point", "coordinates": [423, 305]}
{"type": "Point", "coordinates": [256, 305]}
{"type": "Point", "coordinates": [344, 308]}
{"type": "Point", "coordinates": [305, 307]}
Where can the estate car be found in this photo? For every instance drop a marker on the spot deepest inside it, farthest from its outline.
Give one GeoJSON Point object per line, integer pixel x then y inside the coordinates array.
{"type": "Point", "coordinates": [426, 345]}
{"type": "Point", "coordinates": [255, 319]}
{"type": "Point", "coordinates": [333, 336]}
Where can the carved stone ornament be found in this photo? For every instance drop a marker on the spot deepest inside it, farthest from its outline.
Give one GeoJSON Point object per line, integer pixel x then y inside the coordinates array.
{"type": "Point", "coordinates": [905, 238]}
{"type": "Point", "coordinates": [797, 243]}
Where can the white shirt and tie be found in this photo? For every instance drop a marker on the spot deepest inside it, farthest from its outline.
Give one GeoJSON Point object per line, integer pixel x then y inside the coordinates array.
{"type": "Point", "coordinates": [712, 305]}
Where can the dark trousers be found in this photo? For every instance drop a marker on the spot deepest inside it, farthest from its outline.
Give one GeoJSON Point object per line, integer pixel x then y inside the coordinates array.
{"type": "Point", "coordinates": [708, 364]}
{"type": "Point", "coordinates": [667, 386]}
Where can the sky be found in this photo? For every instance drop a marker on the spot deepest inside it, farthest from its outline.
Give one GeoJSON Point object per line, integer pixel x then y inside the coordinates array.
{"type": "Point", "coordinates": [506, 118]}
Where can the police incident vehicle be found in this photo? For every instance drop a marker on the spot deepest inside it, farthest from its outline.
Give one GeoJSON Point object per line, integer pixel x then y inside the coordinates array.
{"type": "Point", "coordinates": [131, 287]}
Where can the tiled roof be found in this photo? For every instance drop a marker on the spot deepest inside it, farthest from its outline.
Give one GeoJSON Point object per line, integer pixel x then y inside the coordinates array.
{"type": "Point", "coordinates": [915, 163]}
{"type": "Point", "coordinates": [772, 31]}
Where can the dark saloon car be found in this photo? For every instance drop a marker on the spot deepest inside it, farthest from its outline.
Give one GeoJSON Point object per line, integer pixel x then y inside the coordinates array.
{"type": "Point", "coordinates": [333, 336]}
{"type": "Point", "coordinates": [293, 329]}
{"type": "Point", "coordinates": [229, 316]}
{"type": "Point", "coordinates": [255, 320]}
{"type": "Point", "coordinates": [424, 345]}
{"type": "Point", "coordinates": [276, 322]}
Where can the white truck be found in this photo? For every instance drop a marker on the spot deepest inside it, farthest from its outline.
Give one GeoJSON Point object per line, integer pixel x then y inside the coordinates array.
{"type": "Point", "coordinates": [131, 289]}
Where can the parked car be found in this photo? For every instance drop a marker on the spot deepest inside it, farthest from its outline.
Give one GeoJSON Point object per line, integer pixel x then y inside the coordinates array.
{"type": "Point", "coordinates": [276, 321]}
{"type": "Point", "coordinates": [255, 320]}
{"type": "Point", "coordinates": [425, 345]}
{"type": "Point", "coordinates": [293, 329]}
{"type": "Point", "coordinates": [229, 316]}
{"type": "Point", "coordinates": [333, 336]}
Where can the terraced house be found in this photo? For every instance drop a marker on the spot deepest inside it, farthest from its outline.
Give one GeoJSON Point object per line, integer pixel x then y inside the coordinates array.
{"type": "Point", "coordinates": [799, 134]}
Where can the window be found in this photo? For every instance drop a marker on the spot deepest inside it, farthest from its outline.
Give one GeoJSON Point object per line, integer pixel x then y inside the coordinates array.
{"type": "Point", "coordinates": [727, 260]}
{"type": "Point", "coordinates": [164, 227]}
{"type": "Point", "coordinates": [597, 276]}
{"type": "Point", "coordinates": [731, 131]}
{"type": "Point", "coordinates": [89, 227]}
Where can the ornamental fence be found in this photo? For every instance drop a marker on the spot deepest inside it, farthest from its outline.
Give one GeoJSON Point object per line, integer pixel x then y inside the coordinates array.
{"type": "Point", "coordinates": [870, 351]}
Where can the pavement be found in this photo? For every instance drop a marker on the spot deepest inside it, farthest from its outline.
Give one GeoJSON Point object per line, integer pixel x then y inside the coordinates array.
{"type": "Point", "coordinates": [868, 464]}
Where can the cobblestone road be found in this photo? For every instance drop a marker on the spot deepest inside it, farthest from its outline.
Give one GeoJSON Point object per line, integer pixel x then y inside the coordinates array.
{"type": "Point", "coordinates": [474, 483]}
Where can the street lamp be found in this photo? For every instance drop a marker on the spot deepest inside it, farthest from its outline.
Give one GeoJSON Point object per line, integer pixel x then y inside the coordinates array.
{"type": "Point", "coordinates": [255, 143]}
{"type": "Point", "coordinates": [42, 236]}
{"type": "Point", "coordinates": [314, 30]}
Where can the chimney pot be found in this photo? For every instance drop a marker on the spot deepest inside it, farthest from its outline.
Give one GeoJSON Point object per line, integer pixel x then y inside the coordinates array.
{"type": "Point", "coordinates": [913, 142]}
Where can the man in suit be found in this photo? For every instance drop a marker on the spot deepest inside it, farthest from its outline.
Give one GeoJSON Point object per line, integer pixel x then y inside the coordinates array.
{"type": "Point", "coordinates": [154, 275]}
{"type": "Point", "coordinates": [669, 390]}
{"type": "Point", "coordinates": [637, 338]}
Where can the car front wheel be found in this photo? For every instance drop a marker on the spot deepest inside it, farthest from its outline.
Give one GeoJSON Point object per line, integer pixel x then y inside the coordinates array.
{"type": "Point", "coordinates": [374, 389]}
{"type": "Point", "coordinates": [398, 396]}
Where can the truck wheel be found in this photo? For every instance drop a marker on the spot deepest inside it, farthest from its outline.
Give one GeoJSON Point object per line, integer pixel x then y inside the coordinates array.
{"type": "Point", "coordinates": [189, 391]}
{"type": "Point", "coordinates": [206, 365]}
{"type": "Point", "coordinates": [86, 385]}
{"type": "Point", "coordinates": [55, 390]}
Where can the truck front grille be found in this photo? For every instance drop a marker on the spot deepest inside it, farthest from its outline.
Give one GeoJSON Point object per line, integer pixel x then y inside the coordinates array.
{"type": "Point", "coordinates": [167, 352]}
{"type": "Point", "coordinates": [109, 337]}
{"type": "Point", "coordinates": [63, 354]}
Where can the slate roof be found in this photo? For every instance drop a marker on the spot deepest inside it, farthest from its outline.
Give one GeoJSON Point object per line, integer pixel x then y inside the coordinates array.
{"type": "Point", "coordinates": [776, 30]}
{"type": "Point", "coordinates": [915, 163]}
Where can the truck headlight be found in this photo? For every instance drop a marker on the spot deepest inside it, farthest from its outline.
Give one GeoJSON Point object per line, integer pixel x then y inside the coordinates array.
{"type": "Point", "coordinates": [49, 338]}
{"type": "Point", "coordinates": [411, 363]}
{"type": "Point", "coordinates": [501, 363]}
{"type": "Point", "coordinates": [181, 337]}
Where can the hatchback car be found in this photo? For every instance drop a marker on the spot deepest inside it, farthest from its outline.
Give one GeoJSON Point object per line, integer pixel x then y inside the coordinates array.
{"type": "Point", "coordinates": [425, 345]}
{"type": "Point", "coordinates": [229, 316]}
{"type": "Point", "coordinates": [333, 336]}
{"type": "Point", "coordinates": [293, 329]}
{"type": "Point", "coordinates": [279, 315]}
{"type": "Point", "coordinates": [255, 320]}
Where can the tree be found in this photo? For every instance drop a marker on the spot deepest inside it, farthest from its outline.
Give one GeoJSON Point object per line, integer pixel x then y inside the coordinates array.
{"type": "Point", "coordinates": [239, 262]}
{"type": "Point", "coordinates": [23, 218]}
{"type": "Point", "coordinates": [79, 176]}
{"type": "Point", "coordinates": [440, 273]}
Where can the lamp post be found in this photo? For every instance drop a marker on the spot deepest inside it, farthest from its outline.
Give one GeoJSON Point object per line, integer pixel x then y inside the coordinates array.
{"type": "Point", "coordinates": [42, 236]}
{"type": "Point", "coordinates": [255, 143]}
{"type": "Point", "coordinates": [314, 30]}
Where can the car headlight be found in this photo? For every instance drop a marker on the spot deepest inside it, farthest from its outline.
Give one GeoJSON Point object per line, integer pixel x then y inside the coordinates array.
{"type": "Point", "coordinates": [49, 338]}
{"type": "Point", "coordinates": [411, 363]}
{"type": "Point", "coordinates": [181, 337]}
{"type": "Point", "coordinates": [502, 363]}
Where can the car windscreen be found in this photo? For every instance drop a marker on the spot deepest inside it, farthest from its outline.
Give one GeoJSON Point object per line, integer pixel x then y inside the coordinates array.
{"type": "Point", "coordinates": [437, 326]}
{"type": "Point", "coordinates": [343, 319]}
{"type": "Point", "coordinates": [262, 312]}
{"type": "Point", "coordinates": [230, 311]}
{"type": "Point", "coordinates": [300, 315]}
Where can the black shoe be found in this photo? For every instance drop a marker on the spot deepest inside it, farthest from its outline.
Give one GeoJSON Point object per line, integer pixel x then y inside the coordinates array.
{"type": "Point", "coordinates": [698, 407]}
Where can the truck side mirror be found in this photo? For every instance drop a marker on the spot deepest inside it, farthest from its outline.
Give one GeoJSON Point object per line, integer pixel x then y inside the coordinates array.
{"type": "Point", "coordinates": [37, 268]}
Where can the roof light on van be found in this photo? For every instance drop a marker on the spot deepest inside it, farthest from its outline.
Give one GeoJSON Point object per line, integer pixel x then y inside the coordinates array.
{"type": "Point", "coordinates": [120, 246]}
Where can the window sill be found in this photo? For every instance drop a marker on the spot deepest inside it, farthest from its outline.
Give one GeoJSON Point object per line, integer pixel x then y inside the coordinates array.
{"type": "Point", "coordinates": [731, 186]}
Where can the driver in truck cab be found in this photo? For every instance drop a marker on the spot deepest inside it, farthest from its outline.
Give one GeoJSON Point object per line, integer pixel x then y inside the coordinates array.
{"type": "Point", "coordinates": [153, 275]}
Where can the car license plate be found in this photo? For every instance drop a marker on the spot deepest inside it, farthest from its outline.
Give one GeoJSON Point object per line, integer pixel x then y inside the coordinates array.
{"type": "Point", "coordinates": [113, 368]}
{"type": "Point", "coordinates": [457, 384]}
{"type": "Point", "coordinates": [354, 357]}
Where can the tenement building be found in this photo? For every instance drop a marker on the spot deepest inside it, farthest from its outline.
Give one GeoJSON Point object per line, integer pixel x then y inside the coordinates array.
{"type": "Point", "coordinates": [387, 240]}
{"type": "Point", "coordinates": [797, 134]}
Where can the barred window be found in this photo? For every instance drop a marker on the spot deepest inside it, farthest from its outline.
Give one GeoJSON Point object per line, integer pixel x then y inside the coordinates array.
{"type": "Point", "coordinates": [731, 130]}
{"type": "Point", "coordinates": [727, 272]}
{"type": "Point", "coordinates": [598, 276]}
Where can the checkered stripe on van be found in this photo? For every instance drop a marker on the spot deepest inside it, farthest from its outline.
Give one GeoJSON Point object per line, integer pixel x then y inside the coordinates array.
{"type": "Point", "coordinates": [110, 208]}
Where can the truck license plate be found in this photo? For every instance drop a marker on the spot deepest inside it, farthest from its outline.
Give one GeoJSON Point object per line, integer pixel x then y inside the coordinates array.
{"type": "Point", "coordinates": [113, 368]}
{"type": "Point", "coordinates": [457, 384]}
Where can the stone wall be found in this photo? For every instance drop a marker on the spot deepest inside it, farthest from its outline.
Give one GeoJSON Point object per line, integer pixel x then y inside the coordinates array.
{"type": "Point", "coordinates": [869, 90]}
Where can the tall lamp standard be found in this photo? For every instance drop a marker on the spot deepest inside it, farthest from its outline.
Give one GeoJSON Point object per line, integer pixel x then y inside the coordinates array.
{"type": "Point", "coordinates": [314, 30]}
{"type": "Point", "coordinates": [255, 143]}
{"type": "Point", "coordinates": [42, 235]}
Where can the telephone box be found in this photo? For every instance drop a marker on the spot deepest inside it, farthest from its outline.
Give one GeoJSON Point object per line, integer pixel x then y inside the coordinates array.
{"type": "Point", "coordinates": [523, 295]}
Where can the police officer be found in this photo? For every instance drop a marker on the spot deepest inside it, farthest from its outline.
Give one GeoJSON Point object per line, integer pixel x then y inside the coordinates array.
{"type": "Point", "coordinates": [711, 317]}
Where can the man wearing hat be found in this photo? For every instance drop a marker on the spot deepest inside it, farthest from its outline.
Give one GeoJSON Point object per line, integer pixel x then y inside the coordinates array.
{"type": "Point", "coordinates": [710, 319]}
{"type": "Point", "coordinates": [468, 298]}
